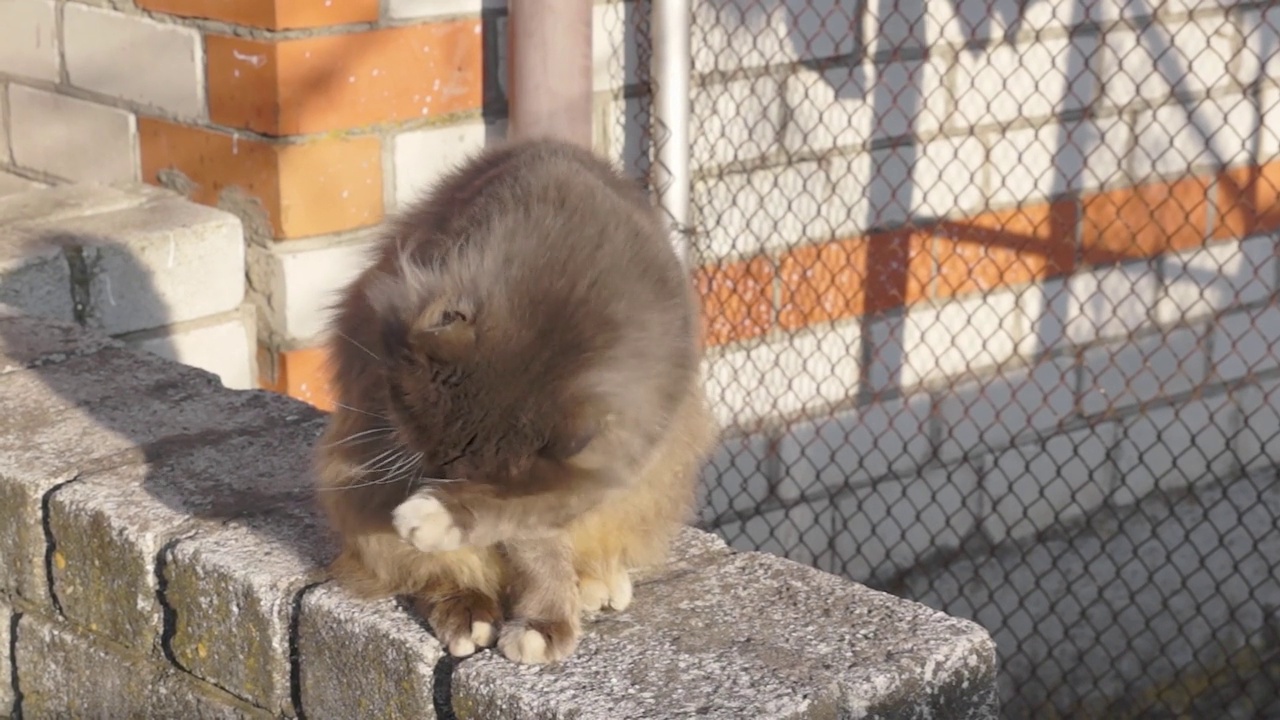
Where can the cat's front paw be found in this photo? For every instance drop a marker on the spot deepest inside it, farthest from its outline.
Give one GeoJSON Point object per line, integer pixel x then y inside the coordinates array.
{"type": "Point", "coordinates": [612, 593]}
{"type": "Point", "coordinates": [465, 622]}
{"type": "Point", "coordinates": [538, 642]}
{"type": "Point", "coordinates": [425, 523]}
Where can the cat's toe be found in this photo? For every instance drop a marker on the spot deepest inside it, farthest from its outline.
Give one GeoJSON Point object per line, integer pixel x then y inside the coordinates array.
{"type": "Point", "coordinates": [537, 643]}
{"type": "Point", "coordinates": [465, 622]}
{"type": "Point", "coordinates": [611, 594]}
{"type": "Point", "coordinates": [423, 522]}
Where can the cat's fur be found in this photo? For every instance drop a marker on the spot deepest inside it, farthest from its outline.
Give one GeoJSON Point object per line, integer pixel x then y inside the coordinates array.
{"type": "Point", "coordinates": [520, 417]}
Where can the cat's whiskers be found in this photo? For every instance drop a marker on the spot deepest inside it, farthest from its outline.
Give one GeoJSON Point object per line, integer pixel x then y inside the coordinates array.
{"type": "Point", "coordinates": [351, 340]}
{"type": "Point", "coordinates": [362, 412]}
{"type": "Point", "coordinates": [377, 432]}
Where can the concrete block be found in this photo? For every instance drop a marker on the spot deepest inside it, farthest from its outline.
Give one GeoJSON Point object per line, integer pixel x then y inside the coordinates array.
{"type": "Point", "coordinates": [35, 277]}
{"type": "Point", "coordinates": [11, 184]}
{"type": "Point", "coordinates": [740, 120]}
{"type": "Point", "coordinates": [1244, 343]}
{"type": "Point", "coordinates": [1032, 79]}
{"type": "Point", "coordinates": [739, 639]}
{"type": "Point", "coordinates": [143, 262]}
{"type": "Point", "coordinates": [1122, 375]}
{"type": "Point", "coordinates": [297, 282]}
{"type": "Point", "coordinates": [1175, 446]}
{"type": "Point", "coordinates": [1256, 446]}
{"type": "Point", "coordinates": [7, 696]}
{"type": "Point", "coordinates": [959, 336]}
{"type": "Point", "coordinates": [6, 155]}
{"type": "Point", "coordinates": [63, 672]}
{"type": "Point", "coordinates": [337, 632]}
{"type": "Point", "coordinates": [854, 447]}
{"type": "Point", "coordinates": [1107, 303]}
{"type": "Point", "coordinates": [981, 416]}
{"type": "Point", "coordinates": [72, 139]}
{"type": "Point", "coordinates": [422, 157]}
{"type": "Point", "coordinates": [225, 345]}
{"type": "Point", "coordinates": [737, 477]}
{"type": "Point", "coordinates": [108, 529]}
{"type": "Point", "coordinates": [231, 593]}
{"type": "Point", "coordinates": [160, 65]}
{"type": "Point", "coordinates": [1195, 54]}
{"type": "Point", "coordinates": [29, 342]}
{"type": "Point", "coordinates": [801, 532]}
{"type": "Point", "coordinates": [1206, 280]}
{"type": "Point", "coordinates": [729, 37]}
{"type": "Point", "coordinates": [887, 527]}
{"type": "Point", "coordinates": [1217, 132]}
{"type": "Point", "coordinates": [60, 202]}
{"type": "Point", "coordinates": [111, 395]}
{"type": "Point", "coordinates": [1050, 482]}
{"type": "Point", "coordinates": [432, 9]}
{"type": "Point", "coordinates": [615, 53]}
{"type": "Point", "coordinates": [29, 39]}
{"type": "Point", "coordinates": [948, 177]}
{"type": "Point", "coordinates": [775, 379]}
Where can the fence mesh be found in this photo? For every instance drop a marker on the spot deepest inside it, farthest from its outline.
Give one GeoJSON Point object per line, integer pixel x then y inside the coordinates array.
{"type": "Point", "coordinates": [990, 293]}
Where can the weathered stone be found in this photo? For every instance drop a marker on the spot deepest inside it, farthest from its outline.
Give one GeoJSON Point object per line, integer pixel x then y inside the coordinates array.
{"type": "Point", "coordinates": [751, 636]}
{"type": "Point", "coordinates": [57, 203]}
{"type": "Point", "coordinates": [109, 528]}
{"type": "Point", "coordinates": [28, 342]}
{"type": "Point", "coordinates": [35, 276]}
{"type": "Point", "coordinates": [64, 674]}
{"type": "Point", "coordinates": [386, 656]}
{"type": "Point", "coordinates": [231, 594]}
{"type": "Point", "coordinates": [7, 696]}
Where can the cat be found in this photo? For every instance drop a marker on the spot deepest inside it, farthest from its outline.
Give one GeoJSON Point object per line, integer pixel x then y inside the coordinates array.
{"type": "Point", "coordinates": [519, 417]}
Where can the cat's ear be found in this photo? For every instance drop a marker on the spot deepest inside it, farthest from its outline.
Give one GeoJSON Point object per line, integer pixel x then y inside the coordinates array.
{"type": "Point", "coordinates": [446, 336]}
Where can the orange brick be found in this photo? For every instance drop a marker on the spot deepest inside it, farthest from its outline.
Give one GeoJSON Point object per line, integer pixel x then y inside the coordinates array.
{"type": "Point", "coordinates": [821, 283]}
{"type": "Point", "coordinates": [1009, 247]}
{"type": "Point", "coordinates": [737, 300]}
{"type": "Point", "coordinates": [312, 188]}
{"type": "Point", "coordinates": [271, 14]}
{"type": "Point", "coordinates": [1145, 221]}
{"type": "Point", "coordinates": [1248, 201]}
{"type": "Point", "coordinates": [301, 374]}
{"type": "Point", "coordinates": [339, 82]}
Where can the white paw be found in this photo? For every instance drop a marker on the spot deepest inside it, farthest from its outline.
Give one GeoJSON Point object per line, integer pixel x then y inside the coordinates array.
{"type": "Point", "coordinates": [596, 595]}
{"type": "Point", "coordinates": [424, 523]}
{"type": "Point", "coordinates": [482, 635]}
{"type": "Point", "coordinates": [524, 646]}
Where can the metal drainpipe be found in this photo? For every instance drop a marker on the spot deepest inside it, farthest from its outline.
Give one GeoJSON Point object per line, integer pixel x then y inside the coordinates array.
{"type": "Point", "coordinates": [672, 69]}
{"type": "Point", "coordinates": [549, 70]}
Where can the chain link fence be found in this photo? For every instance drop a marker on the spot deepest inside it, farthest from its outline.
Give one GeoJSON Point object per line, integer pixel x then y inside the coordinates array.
{"type": "Point", "coordinates": [990, 290]}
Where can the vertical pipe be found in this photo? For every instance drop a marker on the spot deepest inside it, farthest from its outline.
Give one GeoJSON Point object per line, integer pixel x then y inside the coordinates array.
{"type": "Point", "coordinates": [672, 68]}
{"type": "Point", "coordinates": [549, 70]}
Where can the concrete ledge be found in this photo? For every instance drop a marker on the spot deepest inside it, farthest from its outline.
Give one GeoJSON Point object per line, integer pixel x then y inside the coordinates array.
{"type": "Point", "coordinates": [157, 536]}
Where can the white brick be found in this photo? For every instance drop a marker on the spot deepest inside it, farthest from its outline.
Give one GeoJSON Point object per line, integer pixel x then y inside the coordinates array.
{"type": "Point", "coordinates": [135, 59]}
{"type": "Point", "coordinates": [886, 528]}
{"type": "Point", "coordinates": [423, 156]}
{"type": "Point", "coordinates": [854, 447]}
{"type": "Point", "coordinates": [801, 533]}
{"type": "Point", "coordinates": [1039, 485]}
{"type": "Point", "coordinates": [1257, 444]}
{"type": "Point", "coordinates": [884, 338]}
{"type": "Point", "coordinates": [1099, 304]}
{"type": "Point", "coordinates": [1144, 65]}
{"type": "Point", "coordinates": [625, 124]}
{"type": "Point", "coordinates": [614, 46]}
{"type": "Point", "coordinates": [1029, 80]}
{"type": "Point", "coordinates": [960, 336]}
{"type": "Point", "coordinates": [735, 121]}
{"type": "Point", "coordinates": [29, 39]}
{"type": "Point", "coordinates": [948, 177]}
{"type": "Point", "coordinates": [298, 281]}
{"type": "Point", "coordinates": [1260, 58]}
{"type": "Point", "coordinates": [747, 212]}
{"type": "Point", "coordinates": [963, 22]}
{"type": "Point", "coordinates": [730, 36]}
{"type": "Point", "coordinates": [72, 139]}
{"type": "Point", "coordinates": [981, 416]}
{"type": "Point", "coordinates": [1206, 280]}
{"type": "Point", "coordinates": [1245, 342]}
{"type": "Point", "coordinates": [1269, 132]}
{"type": "Point", "coordinates": [771, 379]}
{"type": "Point", "coordinates": [1213, 133]}
{"type": "Point", "coordinates": [1176, 446]}
{"type": "Point", "coordinates": [225, 345]}
{"type": "Point", "coordinates": [145, 262]}
{"type": "Point", "coordinates": [844, 106]}
{"type": "Point", "coordinates": [431, 9]}
{"type": "Point", "coordinates": [1032, 164]}
{"type": "Point", "coordinates": [736, 477]}
{"type": "Point", "coordinates": [1120, 375]}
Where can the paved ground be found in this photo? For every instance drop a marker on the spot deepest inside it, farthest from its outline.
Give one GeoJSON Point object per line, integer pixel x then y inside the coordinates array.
{"type": "Point", "coordinates": [1170, 604]}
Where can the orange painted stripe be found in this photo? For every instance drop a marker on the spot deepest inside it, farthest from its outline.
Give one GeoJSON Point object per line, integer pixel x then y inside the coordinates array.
{"type": "Point", "coordinates": [346, 81]}
{"type": "Point", "coordinates": [271, 14]}
{"type": "Point", "coordinates": [1248, 201]}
